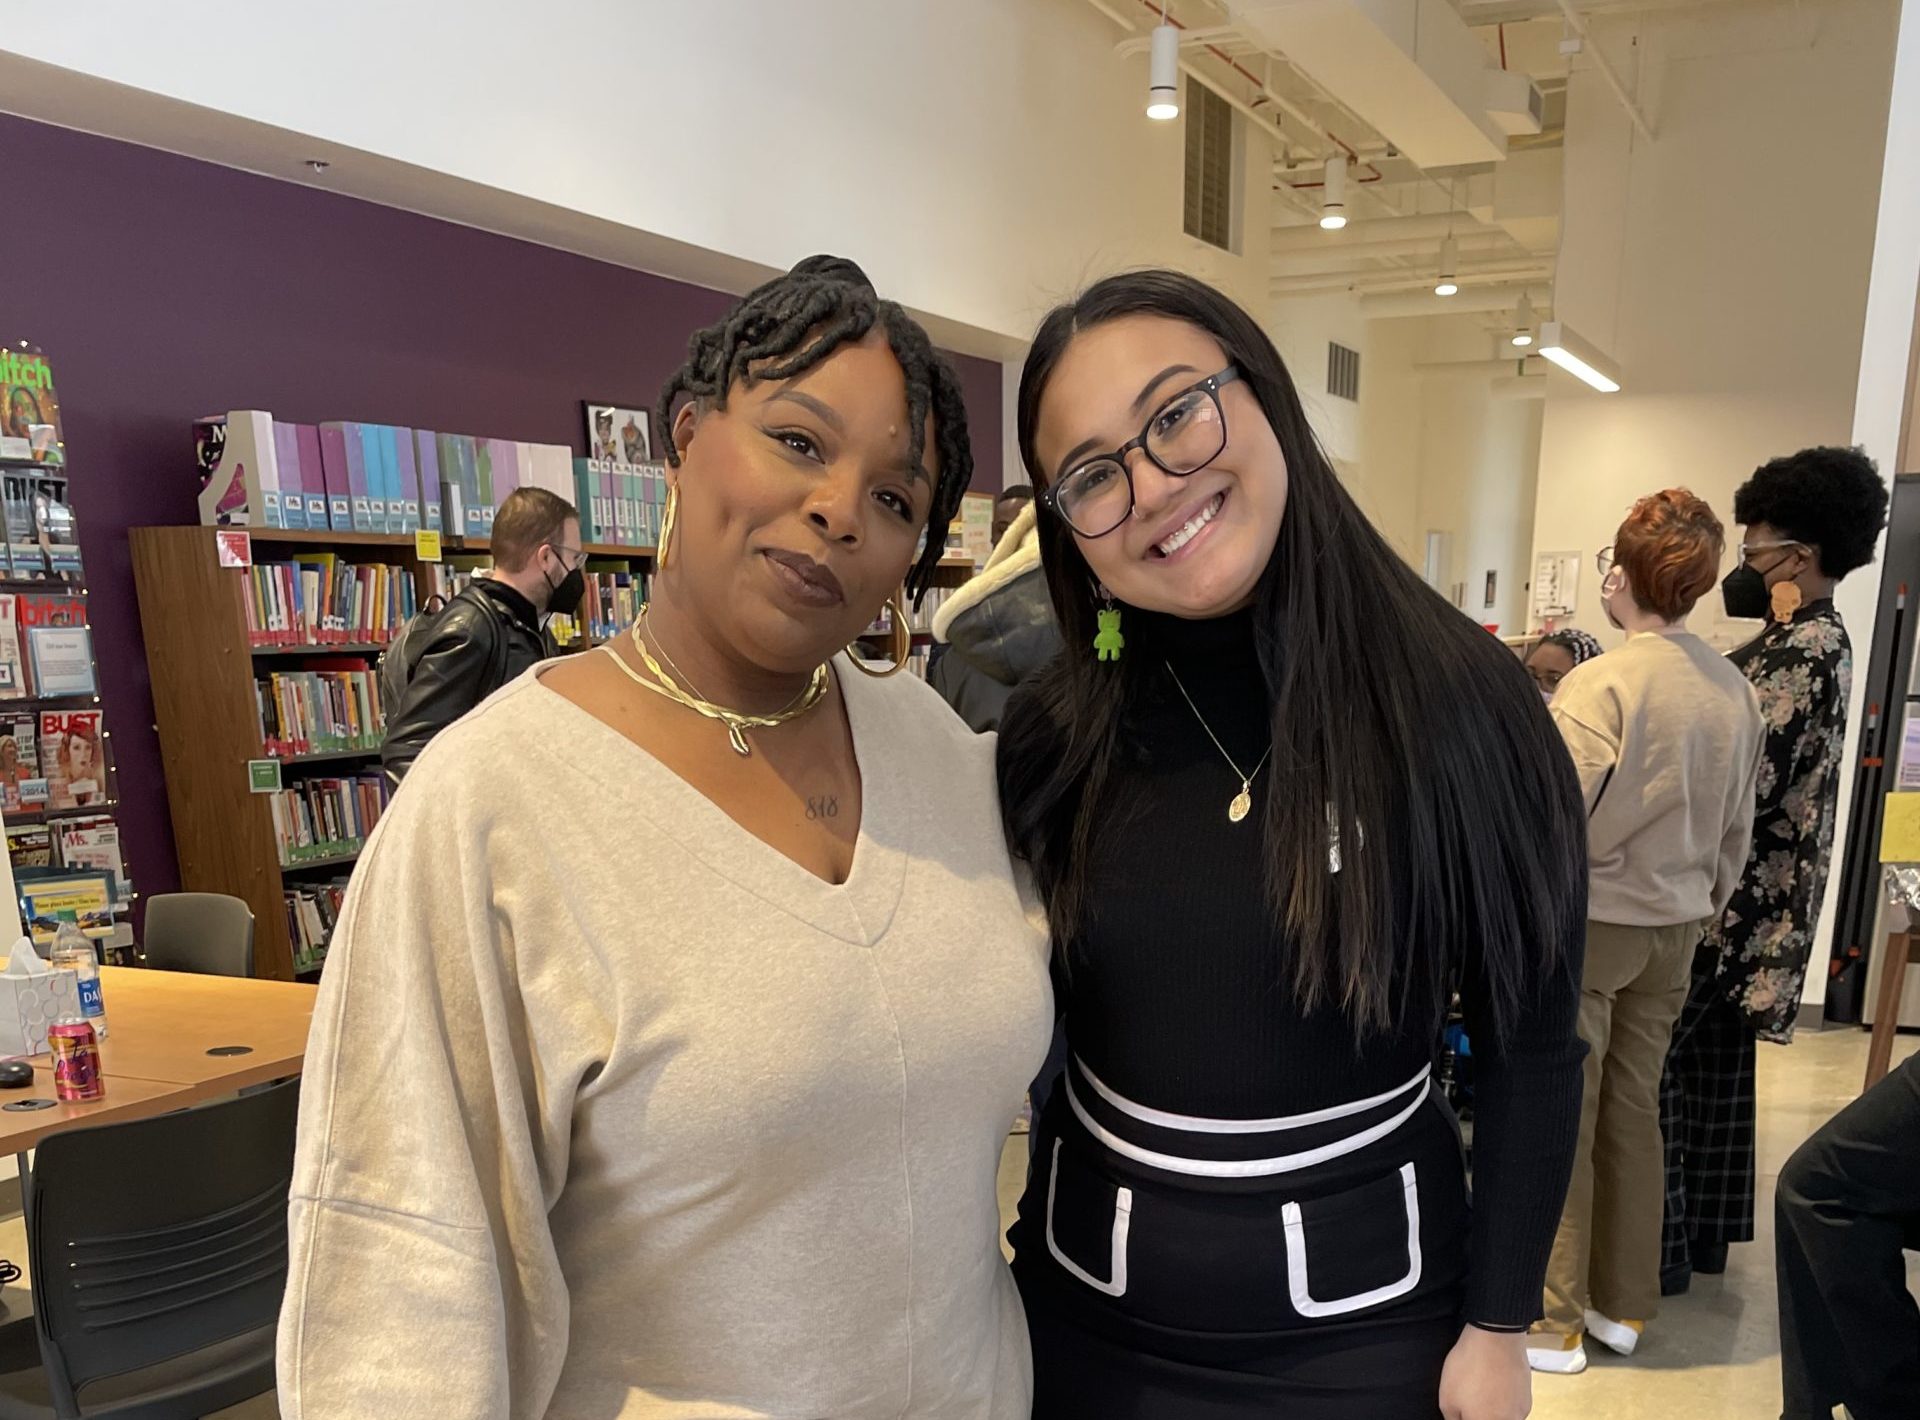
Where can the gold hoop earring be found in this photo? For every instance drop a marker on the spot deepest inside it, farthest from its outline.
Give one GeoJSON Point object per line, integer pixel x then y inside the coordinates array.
{"type": "Point", "coordinates": [671, 512]}
{"type": "Point", "coordinates": [901, 644]}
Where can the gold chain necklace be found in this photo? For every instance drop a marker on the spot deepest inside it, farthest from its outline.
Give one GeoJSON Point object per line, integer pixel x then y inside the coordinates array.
{"type": "Point", "coordinates": [737, 722]}
{"type": "Point", "coordinates": [1242, 802]}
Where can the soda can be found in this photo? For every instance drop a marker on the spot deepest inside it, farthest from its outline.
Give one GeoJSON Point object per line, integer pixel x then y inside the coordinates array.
{"type": "Point", "coordinates": [76, 1062]}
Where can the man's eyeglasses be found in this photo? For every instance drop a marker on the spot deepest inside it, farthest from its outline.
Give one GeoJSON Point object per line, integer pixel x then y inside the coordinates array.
{"type": "Point", "coordinates": [1182, 437]}
{"type": "Point", "coordinates": [570, 557]}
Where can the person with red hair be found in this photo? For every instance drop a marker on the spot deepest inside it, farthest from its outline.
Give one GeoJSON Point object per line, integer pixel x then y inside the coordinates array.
{"type": "Point", "coordinates": [1666, 736]}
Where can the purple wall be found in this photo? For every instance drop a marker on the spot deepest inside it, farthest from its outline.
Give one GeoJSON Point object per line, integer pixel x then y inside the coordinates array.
{"type": "Point", "coordinates": [162, 288]}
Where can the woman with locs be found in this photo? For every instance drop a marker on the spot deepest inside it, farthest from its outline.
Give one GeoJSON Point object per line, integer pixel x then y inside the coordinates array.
{"type": "Point", "coordinates": [1281, 801]}
{"type": "Point", "coordinates": [683, 996]}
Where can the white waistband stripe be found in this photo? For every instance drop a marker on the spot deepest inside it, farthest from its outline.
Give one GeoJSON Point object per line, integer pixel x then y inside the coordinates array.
{"type": "Point", "coordinates": [1241, 1168]}
{"type": "Point", "coordinates": [1196, 1124]}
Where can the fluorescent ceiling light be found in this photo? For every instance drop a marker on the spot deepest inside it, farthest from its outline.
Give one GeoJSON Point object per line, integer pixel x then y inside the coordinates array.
{"type": "Point", "coordinates": [1579, 357]}
{"type": "Point", "coordinates": [1163, 73]}
{"type": "Point", "coordinates": [1333, 212]}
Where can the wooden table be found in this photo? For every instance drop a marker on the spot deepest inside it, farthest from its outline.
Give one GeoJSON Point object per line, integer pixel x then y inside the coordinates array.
{"type": "Point", "coordinates": [161, 1026]}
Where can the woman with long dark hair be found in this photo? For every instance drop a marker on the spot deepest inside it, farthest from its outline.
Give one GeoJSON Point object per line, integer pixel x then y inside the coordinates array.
{"type": "Point", "coordinates": [1282, 801]}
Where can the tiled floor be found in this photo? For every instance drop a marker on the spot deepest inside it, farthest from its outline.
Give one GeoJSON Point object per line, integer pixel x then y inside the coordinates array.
{"type": "Point", "coordinates": [1712, 1355]}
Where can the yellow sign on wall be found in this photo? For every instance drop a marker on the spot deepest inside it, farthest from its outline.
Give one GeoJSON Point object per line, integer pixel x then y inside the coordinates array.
{"type": "Point", "coordinates": [1900, 829]}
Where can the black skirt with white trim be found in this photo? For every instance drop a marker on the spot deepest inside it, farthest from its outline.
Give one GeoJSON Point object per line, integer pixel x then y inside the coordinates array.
{"type": "Point", "coordinates": [1191, 1269]}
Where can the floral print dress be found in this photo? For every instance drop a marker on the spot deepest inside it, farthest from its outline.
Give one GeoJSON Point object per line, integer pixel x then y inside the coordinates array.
{"type": "Point", "coordinates": [1803, 674]}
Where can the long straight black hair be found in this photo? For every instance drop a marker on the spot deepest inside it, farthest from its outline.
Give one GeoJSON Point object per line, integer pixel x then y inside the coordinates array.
{"type": "Point", "coordinates": [1398, 725]}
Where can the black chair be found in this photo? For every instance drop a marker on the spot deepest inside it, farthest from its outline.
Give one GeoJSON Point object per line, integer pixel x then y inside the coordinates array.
{"type": "Point", "coordinates": [158, 1255]}
{"type": "Point", "coordinates": [207, 932]}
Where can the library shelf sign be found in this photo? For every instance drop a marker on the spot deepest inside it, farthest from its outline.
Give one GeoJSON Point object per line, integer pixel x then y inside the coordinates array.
{"type": "Point", "coordinates": [263, 776]}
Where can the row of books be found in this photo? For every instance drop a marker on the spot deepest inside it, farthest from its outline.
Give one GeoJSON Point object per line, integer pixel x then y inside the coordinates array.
{"type": "Point", "coordinates": [919, 619]}
{"type": "Point", "coordinates": [877, 637]}
{"type": "Point", "coordinates": [90, 844]}
{"type": "Point", "coordinates": [319, 710]}
{"type": "Point", "coordinates": [346, 476]}
{"type": "Point", "coordinates": [312, 912]}
{"type": "Point", "coordinates": [611, 603]}
{"type": "Point", "coordinates": [326, 818]}
{"type": "Point", "coordinates": [54, 760]}
{"type": "Point", "coordinates": [613, 600]}
{"type": "Point", "coordinates": [620, 504]}
{"type": "Point", "coordinates": [320, 599]}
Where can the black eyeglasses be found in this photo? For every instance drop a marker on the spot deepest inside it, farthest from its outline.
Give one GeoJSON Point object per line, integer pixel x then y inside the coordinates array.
{"type": "Point", "coordinates": [1603, 559]}
{"type": "Point", "coordinates": [1182, 437]}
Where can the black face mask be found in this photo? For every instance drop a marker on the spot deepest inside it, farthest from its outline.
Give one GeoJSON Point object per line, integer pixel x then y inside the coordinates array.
{"type": "Point", "coordinates": [1744, 591]}
{"type": "Point", "coordinates": [565, 597]}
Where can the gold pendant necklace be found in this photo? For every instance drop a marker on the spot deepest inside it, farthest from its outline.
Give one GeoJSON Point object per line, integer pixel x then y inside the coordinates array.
{"type": "Point", "coordinates": [1242, 803]}
{"type": "Point", "coordinates": [737, 722]}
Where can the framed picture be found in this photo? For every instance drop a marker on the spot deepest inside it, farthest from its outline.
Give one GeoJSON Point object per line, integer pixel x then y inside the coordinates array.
{"type": "Point", "coordinates": [62, 660]}
{"type": "Point", "coordinates": [618, 433]}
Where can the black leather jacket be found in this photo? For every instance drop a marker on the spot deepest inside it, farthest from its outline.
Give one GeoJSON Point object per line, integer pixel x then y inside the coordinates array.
{"type": "Point", "coordinates": [487, 635]}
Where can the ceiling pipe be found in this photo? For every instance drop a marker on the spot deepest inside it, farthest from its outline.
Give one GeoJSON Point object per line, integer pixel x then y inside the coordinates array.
{"type": "Point", "coordinates": [1337, 247]}
{"type": "Point", "coordinates": [1406, 279]}
{"type": "Point", "coordinates": [1429, 227]}
{"type": "Point", "coordinates": [1605, 66]}
{"type": "Point", "coordinates": [1471, 367]}
{"type": "Point", "coordinates": [1402, 305]}
{"type": "Point", "coordinates": [1266, 91]}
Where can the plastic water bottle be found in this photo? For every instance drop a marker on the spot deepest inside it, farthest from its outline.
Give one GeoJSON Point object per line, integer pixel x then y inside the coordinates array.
{"type": "Point", "coordinates": [72, 951]}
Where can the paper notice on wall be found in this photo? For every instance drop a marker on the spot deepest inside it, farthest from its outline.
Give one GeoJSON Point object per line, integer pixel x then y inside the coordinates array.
{"type": "Point", "coordinates": [1556, 584]}
{"type": "Point", "coordinates": [1910, 752]}
{"type": "Point", "coordinates": [976, 528]}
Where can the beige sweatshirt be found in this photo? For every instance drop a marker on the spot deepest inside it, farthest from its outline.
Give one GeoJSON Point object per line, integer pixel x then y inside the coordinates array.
{"type": "Point", "coordinates": [611, 1110]}
{"type": "Point", "coordinates": [1667, 737]}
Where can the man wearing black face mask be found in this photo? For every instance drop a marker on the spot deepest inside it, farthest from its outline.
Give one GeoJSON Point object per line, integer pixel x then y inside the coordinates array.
{"type": "Point", "coordinates": [1807, 520]}
{"type": "Point", "coordinates": [493, 630]}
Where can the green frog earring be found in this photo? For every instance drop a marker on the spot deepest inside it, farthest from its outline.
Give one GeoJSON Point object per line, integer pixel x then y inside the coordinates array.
{"type": "Point", "coordinates": [1107, 641]}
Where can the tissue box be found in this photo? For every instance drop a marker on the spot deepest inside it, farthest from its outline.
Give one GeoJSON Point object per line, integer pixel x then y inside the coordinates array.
{"type": "Point", "coordinates": [33, 996]}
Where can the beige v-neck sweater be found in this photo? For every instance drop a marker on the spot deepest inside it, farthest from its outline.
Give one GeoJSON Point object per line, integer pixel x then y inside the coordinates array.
{"type": "Point", "coordinates": [611, 1110]}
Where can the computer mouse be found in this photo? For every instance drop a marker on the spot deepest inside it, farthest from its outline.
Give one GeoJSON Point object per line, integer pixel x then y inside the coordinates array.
{"type": "Point", "coordinates": [15, 1074]}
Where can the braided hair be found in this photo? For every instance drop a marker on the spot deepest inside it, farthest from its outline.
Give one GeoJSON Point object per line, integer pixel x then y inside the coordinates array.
{"type": "Point", "coordinates": [790, 324]}
{"type": "Point", "coordinates": [1583, 646]}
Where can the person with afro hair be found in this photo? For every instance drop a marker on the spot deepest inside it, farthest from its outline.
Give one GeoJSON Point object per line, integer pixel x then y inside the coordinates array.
{"type": "Point", "coordinates": [1807, 520]}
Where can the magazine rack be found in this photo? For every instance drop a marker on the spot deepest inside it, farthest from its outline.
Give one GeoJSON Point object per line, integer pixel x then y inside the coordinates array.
{"type": "Point", "coordinates": [58, 786]}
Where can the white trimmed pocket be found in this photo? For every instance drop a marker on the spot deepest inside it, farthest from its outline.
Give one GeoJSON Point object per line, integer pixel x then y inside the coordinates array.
{"type": "Point", "coordinates": [1299, 1273]}
{"type": "Point", "coordinates": [1115, 1284]}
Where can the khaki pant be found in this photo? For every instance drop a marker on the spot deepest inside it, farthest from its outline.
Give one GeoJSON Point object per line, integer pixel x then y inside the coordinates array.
{"type": "Point", "coordinates": [1607, 1252]}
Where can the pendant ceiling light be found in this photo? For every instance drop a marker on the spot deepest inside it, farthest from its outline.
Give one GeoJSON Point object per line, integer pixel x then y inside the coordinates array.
{"type": "Point", "coordinates": [1333, 209]}
{"type": "Point", "coordinates": [1523, 323]}
{"type": "Point", "coordinates": [1163, 72]}
{"type": "Point", "coordinates": [1449, 258]}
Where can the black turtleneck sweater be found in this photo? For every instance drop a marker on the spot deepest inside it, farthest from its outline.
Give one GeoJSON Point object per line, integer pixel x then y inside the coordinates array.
{"type": "Point", "coordinates": [1178, 998]}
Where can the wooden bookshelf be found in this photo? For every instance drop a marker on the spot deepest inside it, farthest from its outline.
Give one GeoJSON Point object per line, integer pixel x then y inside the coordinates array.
{"type": "Point", "coordinates": [202, 666]}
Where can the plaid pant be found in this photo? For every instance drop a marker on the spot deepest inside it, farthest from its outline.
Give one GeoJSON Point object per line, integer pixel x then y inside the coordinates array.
{"type": "Point", "coordinates": [1707, 1122]}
